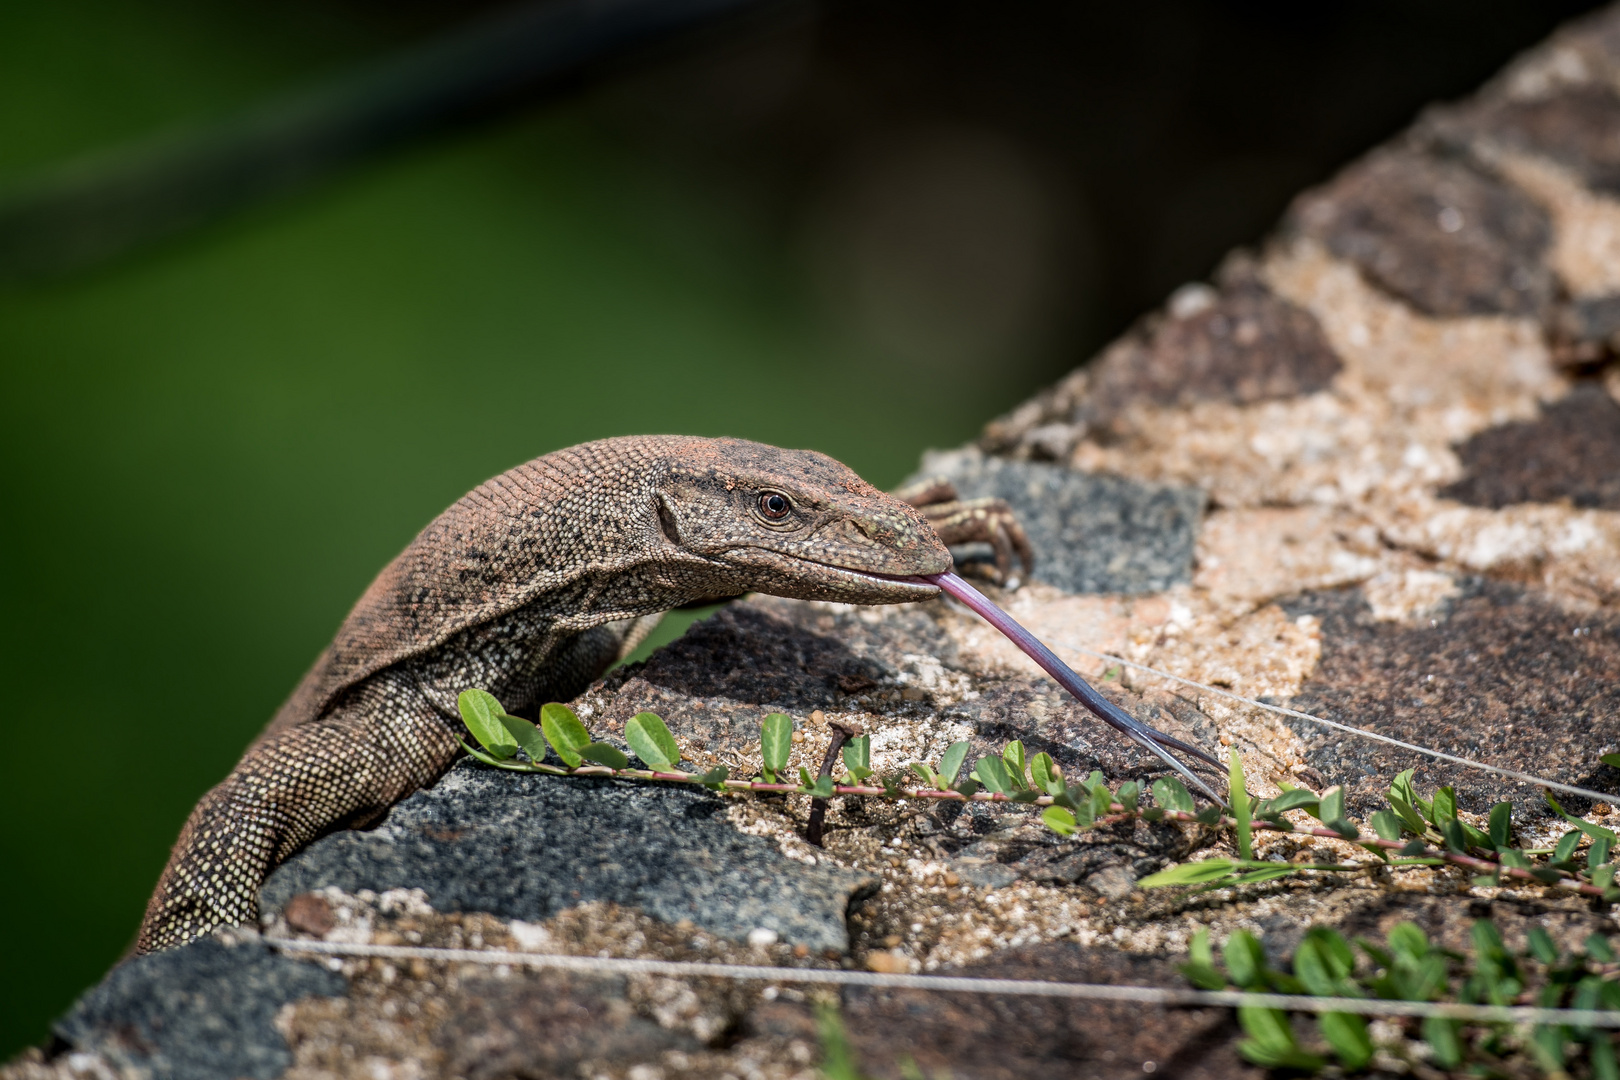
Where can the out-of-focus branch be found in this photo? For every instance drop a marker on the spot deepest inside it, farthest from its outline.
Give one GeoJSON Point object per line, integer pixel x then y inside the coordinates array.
{"type": "Point", "coordinates": [74, 217]}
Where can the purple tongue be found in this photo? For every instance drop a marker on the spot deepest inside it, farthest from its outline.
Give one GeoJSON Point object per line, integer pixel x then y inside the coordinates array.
{"type": "Point", "coordinates": [1105, 710]}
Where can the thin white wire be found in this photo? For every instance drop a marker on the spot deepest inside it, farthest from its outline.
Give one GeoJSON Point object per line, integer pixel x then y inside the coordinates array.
{"type": "Point", "coordinates": [1600, 796]}
{"type": "Point", "coordinates": [1149, 995]}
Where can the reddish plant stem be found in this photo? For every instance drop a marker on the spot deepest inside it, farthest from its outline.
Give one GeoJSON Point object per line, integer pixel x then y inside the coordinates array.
{"type": "Point", "coordinates": [1567, 882]}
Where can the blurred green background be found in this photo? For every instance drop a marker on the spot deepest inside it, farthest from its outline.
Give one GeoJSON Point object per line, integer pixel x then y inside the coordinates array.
{"type": "Point", "coordinates": [863, 228]}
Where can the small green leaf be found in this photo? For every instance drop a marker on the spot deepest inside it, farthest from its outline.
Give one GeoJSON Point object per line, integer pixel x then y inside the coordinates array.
{"type": "Point", "coordinates": [651, 741]}
{"type": "Point", "coordinates": [1199, 948]}
{"type": "Point", "coordinates": [992, 773]}
{"type": "Point", "coordinates": [1612, 760]}
{"type": "Point", "coordinates": [1408, 941]}
{"type": "Point", "coordinates": [1313, 970]}
{"type": "Point", "coordinates": [951, 763]}
{"type": "Point", "coordinates": [1599, 949]}
{"type": "Point", "coordinates": [1604, 875]}
{"type": "Point", "coordinates": [1172, 794]}
{"type": "Point", "coordinates": [967, 788]}
{"type": "Point", "coordinates": [1347, 1034]}
{"type": "Point", "coordinates": [1598, 853]}
{"type": "Point", "coordinates": [806, 781]}
{"type": "Point", "coordinates": [1209, 815]}
{"type": "Point", "coordinates": [858, 756]}
{"type": "Point", "coordinates": [1245, 959]}
{"type": "Point", "coordinates": [1445, 806]}
{"type": "Point", "coordinates": [1128, 795]}
{"type": "Point", "coordinates": [1566, 845]}
{"type": "Point", "coordinates": [1240, 807]}
{"type": "Point", "coordinates": [1409, 816]}
{"type": "Point", "coordinates": [606, 754]}
{"type": "Point", "coordinates": [1594, 831]}
{"type": "Point", "coordinates": [1541, 945]}
{"type": "Point", "coordinates": [1189, 873]}
{"type": "Point", "coordinates": [1604, 1066]}
{"type": "Point", "coordinates": [564, 732]}
{"type": "Point", "coordinates": [1059, 820]}
{"type": "Point", "coordinates": [1401, 788]}
{"type": "Point", "coordinates": [1268, 873]}
{"type": "Point", "coordinates": [715, 777]}
{"type": "Point", "coordinates": [1441, 1035]}
{"type": "Point", "coordinates": [1335, 950]}
{"type": "Point", "coordinates": [1271, 1041]}
{"type": "Point", "coordinates": [776, 741]}
{"type": "Point", "coordinates": [527, 735]}
{"type": "Point", "coordinates": [1203, 976]}
{"type": "Point", "coordinates": [1293, 799]}
{"type": "Point", "coordinates": [822, 788]}
{"type": "Point", "coordinates": [477, 754]}
{"type": "Point", "coordinates": [1387, 825]}
{"type": "Point", "coordinates": [1501, 825]}
{"type": "Point", "coordinates": [1547, 1044]}
{"type": "Point", "coordinates": [482, 715]}
{"type": "Point", "coordinates": [1013, 756]}
{"type": "Point", "coordinates": [1102, 801]}
{"type": "Point", "coordinates": [926, 771]}
{"type": "Point", "coordinates": [1045, 774]}
{"type": "Point", "coordinates": [1331, 808]}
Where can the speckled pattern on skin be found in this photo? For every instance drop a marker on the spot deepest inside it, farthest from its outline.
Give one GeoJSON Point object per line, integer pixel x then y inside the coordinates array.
{"type": "Point", "coordinates": [528, 587]}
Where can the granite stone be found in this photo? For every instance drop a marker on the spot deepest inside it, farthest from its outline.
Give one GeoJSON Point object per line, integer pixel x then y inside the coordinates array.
{"type": "Point", "coordinates": [197, 1013]}
{"type": "Point", "coordinates": [525, 846]}
{"type": "Point", "coordinates": [1091, 533]}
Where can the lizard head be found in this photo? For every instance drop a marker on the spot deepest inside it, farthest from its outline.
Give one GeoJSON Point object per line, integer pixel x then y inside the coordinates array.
{"type": "Point", "coordinates": [794, 523]}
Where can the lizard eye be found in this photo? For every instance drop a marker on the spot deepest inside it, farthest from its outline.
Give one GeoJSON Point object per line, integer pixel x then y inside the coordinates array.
{"type": "Point", "coordinates": [774, 506]}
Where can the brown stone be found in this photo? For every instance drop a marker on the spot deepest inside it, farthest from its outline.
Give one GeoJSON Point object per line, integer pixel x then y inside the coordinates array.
{"type": "Point", "coordinates": [309, 913]}
{"type": "Point", "coordinates": [989, 1037]}
{"type": "Point", "coordinates": [1579, 129]}
{"type": "Point", "coordinates": [1446, 238]}
{"type": "Point", "coordinates": [1242, 344]}
{"type": "Point", "coordinates": [1570, 453]}
{"type": "Point", "coordinates": [546, 1025]}
{"type": "Point", "coordinates": [1501, 676]}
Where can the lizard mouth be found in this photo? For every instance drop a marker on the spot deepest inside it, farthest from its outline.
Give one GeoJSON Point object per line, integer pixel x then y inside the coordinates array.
{"type": "Point", "coordinates": [912, 586]}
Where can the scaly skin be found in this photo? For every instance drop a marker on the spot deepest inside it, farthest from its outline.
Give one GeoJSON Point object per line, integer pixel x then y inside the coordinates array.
{"type": "Point", "coordinates": [529, 586]}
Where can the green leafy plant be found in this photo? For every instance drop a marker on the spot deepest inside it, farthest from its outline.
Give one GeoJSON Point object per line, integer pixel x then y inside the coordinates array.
{"type": "Point", "coordinates": [1407, 966]}
{"type": "Point", "coordinates": [1409, 831]}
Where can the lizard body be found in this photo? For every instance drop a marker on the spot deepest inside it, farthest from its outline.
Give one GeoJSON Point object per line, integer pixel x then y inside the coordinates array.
{"type": "Point", "coordinates": [529, 586]}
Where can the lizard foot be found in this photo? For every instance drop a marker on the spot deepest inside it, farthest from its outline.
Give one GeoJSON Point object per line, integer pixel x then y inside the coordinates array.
{"type": "Point", "coordinates": [960, 521]}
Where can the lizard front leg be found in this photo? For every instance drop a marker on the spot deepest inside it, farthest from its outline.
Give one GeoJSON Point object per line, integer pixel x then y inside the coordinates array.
{"type": "Point", "coordinates": [381, 743]}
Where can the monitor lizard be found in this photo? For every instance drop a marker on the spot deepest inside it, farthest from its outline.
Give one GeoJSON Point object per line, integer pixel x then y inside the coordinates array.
{"type": "Point", "coordinates": [530, 586]}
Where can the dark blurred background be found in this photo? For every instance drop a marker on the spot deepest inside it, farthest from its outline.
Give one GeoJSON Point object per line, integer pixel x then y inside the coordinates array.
{"type": "Point", "coordinates": [863, 227]}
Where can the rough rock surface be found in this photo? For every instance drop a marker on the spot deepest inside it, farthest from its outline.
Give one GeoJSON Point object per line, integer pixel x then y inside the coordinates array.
{"type": "Point", "coordinates": [1368, 471]}
{"type": "Point", "coordinates": [526, 847]}
{"type": "Point", "coordinates": [1096, 533]}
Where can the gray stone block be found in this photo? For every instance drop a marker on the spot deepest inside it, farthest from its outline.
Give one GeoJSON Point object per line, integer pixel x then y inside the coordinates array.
{"type": "Point", "coordinates": [197, 1013]}
{"type": "Point", "coordinates": [1092, 533]}
{"type": "Point", "coordinates": [526, 847]}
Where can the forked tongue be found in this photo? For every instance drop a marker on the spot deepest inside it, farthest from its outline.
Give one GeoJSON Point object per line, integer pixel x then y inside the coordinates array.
{"type": "Point", "coordinates": [1101, 707]}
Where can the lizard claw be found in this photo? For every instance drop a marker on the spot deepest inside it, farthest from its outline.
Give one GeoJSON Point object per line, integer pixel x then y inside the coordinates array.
{"type": "Point", "coordinates": [960, 521]}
